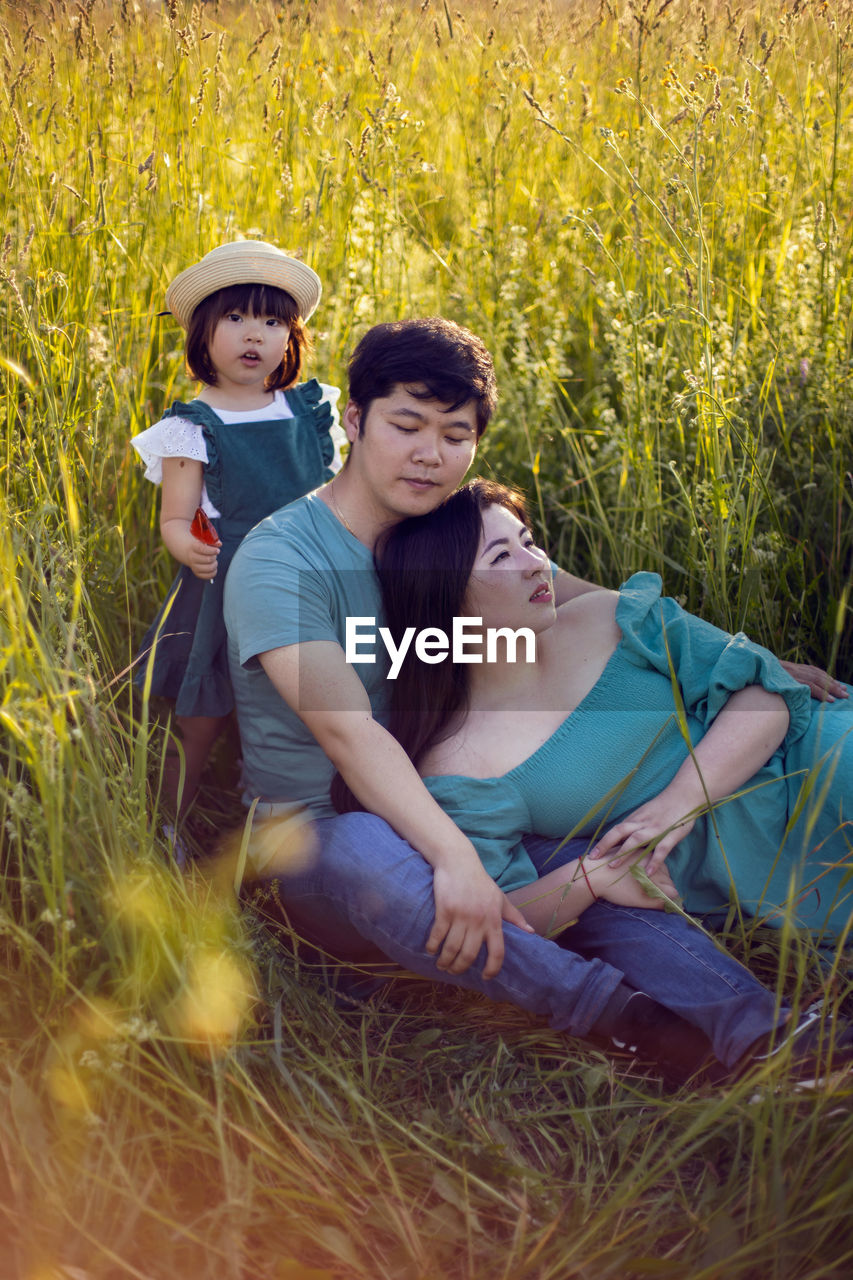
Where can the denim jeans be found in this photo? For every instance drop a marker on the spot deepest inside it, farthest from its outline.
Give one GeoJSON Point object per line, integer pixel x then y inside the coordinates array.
{"type": "Point", "coordinates": [366, 883]}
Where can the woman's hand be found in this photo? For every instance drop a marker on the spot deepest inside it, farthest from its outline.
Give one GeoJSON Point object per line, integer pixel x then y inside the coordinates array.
{"type": "Point", "coordinates": [654, 830]}
{"type": "Point", "coordinates": [618, 885]}
{"type": "Point", "coordinates": [741, 739]}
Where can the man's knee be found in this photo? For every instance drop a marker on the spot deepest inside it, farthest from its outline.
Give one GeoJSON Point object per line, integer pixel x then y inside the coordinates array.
{"type": "Point", "coordinates": [360, 844]}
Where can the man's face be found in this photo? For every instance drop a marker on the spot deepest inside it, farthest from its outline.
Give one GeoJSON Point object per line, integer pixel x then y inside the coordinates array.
{"type": "Point", "coordinates": [410, 455]}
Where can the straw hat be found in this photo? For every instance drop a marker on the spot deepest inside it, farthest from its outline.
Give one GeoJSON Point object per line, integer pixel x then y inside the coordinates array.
{"type": "Point", "coordinates": [243, 262]}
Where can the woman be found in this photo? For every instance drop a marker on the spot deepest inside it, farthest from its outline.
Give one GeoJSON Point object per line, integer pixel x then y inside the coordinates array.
{"type": "Point", "coordinates": [661, 739]}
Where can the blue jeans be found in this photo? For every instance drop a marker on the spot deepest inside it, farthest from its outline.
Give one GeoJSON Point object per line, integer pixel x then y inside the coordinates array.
{"type": "Point", "coordinates": [366, 883]}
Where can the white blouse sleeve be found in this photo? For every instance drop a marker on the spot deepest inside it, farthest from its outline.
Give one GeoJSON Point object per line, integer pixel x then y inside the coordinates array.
{"type": "Point", "coordinates": [336, 431]}
{"type": "Point", "coordinates": [169, 438]}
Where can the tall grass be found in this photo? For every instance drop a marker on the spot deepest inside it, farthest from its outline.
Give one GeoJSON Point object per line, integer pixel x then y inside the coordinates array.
{"type": "Point", "coordinates": [644, 210]}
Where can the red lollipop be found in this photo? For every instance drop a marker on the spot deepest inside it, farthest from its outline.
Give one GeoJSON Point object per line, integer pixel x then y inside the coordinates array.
{"type": "Point", "coordinates": [202, 529]}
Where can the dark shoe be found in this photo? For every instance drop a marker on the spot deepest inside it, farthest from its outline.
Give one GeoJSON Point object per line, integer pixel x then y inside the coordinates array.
{"type": "Point", "coordinates": [811, 1048]}
{"type": "Point", "coordinates": [635, 1024]}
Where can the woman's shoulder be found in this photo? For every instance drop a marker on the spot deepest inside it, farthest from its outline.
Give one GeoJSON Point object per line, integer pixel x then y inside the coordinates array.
{"type": "Point", "coordinates": [636, 598]}
{"type": "Point", "coordinates": [572, 654]}
{"type": "Point", "coordinates": [593, 608]}
{"type": "Point", "coordinates": [604, 615]}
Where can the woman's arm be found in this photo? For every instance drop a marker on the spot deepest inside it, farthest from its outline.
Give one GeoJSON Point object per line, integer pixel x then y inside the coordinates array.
{"type": "Point", "coordinates": [182, 483]}
{"type": "Point", "coordinates": [741, 739]}
{"type": "Point", "coordinates": [560, 896]}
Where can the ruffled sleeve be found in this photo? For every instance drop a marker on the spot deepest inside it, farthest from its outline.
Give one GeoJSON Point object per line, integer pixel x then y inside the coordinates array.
{"type": "Point", "coordinates": [177, 435]}
{"type": "Point", "coordinates": [322, 400]}
{"type": "Point", "coordinates": [171, 437]}
{"type": "Point", "coordinates": [708, 664]}
{"type": "Point", "coordinates": [493, 815]}
{"type": "Point", "coordinates": [337, 435]}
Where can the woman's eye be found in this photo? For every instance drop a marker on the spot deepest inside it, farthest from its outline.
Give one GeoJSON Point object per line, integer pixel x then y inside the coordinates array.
{"type": "Point", "coordinates": [502, 555]}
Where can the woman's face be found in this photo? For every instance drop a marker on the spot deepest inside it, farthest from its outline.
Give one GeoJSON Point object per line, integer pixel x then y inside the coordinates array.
{"type": "Point", "coordinates": [510, 584]}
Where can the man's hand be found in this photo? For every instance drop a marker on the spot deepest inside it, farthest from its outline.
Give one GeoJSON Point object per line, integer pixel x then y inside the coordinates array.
{"type": "Point", "coordinates": [469, 911]}
{"type": "Point", "coordinates": [821, 685]}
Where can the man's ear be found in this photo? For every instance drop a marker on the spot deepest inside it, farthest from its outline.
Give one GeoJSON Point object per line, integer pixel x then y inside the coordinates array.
{"type": "Point", "coordinates": [351, 419]}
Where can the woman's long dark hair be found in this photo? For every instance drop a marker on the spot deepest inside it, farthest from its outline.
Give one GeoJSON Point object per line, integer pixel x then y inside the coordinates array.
{"type": "Point", "coordinates": [424, 565]}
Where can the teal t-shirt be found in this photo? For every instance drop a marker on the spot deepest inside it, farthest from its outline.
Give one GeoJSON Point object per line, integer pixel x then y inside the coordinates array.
{"type": "Point", "coordinates": [296, 577]}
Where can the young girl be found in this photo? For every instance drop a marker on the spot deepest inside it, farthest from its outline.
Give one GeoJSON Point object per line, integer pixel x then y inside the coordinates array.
{"type": "Point", "coordinates": [252, 441]}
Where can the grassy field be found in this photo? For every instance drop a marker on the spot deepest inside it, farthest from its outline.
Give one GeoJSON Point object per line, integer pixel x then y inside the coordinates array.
{"type": "Point", "coordinates": [644, 209]}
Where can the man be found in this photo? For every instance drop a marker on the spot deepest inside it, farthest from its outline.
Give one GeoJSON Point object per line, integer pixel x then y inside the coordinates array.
{"type": "Point", "coordinates": [401, 875]}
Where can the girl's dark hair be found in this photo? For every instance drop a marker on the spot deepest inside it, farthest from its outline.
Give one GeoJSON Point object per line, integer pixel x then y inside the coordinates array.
{"type": "Point", "coordinates": [424, 565]}
{"type": "Point", "coordinates": [254, 299]}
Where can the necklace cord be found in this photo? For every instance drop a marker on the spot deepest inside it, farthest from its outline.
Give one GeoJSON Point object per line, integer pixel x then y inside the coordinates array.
{"type": "Point", "coordinates": [338, 511]}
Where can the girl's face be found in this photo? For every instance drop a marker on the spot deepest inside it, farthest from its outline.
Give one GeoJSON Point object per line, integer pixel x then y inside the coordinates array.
{"type": "Point", "coordinates": [245, 349]}
{"type": "Point", "coordinates": [510, 583]}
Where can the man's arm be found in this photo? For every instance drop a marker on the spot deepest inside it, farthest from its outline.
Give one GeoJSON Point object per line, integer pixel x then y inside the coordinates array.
{"type": "Point", "coordinates": [820, 684]}
{"type": "Point", "coordinates": [321, 687]}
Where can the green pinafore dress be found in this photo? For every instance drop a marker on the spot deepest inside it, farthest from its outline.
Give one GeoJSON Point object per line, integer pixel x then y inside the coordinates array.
{"type": "Point", "coordinates": [252, 469]}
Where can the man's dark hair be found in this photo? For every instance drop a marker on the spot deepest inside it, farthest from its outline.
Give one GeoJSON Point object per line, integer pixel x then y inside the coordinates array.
{"type": "Point", "coordinates": [450, 363]}
{"type": "Point", "coordinates": [249, 299]}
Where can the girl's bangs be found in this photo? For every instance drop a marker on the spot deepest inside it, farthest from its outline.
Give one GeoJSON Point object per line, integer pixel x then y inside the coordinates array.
{"type": "Point", "coordinates": [256, 299]}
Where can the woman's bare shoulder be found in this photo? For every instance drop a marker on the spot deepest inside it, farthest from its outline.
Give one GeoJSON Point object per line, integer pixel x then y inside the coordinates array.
{"type": "Point", "coordinates": [585, 627]}
{"type": "Point", "coordinates": [591, 608]}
